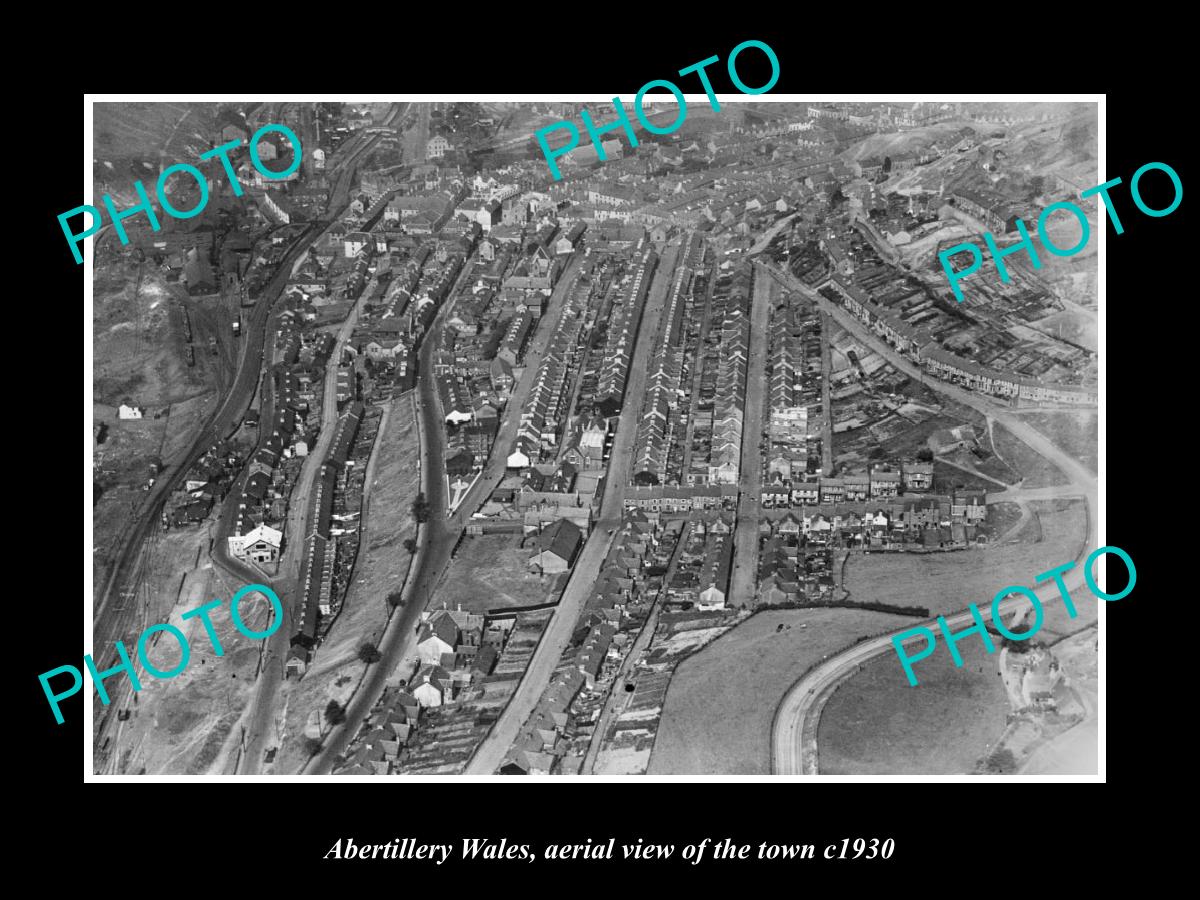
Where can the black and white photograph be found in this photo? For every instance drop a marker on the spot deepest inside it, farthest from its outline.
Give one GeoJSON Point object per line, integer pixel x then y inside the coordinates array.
{"type": "Point", "coordinates": [706, 435]}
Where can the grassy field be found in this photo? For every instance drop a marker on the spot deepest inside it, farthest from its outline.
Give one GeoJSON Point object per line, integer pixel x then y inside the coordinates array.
{"type": "Point", "coordinates": [491, 571]}
{"type": "Point", "coordinates": [1075, 431]}
{"type": "Point", "coordinates": [1038, 471]}
{"type": "Point", "coordinates": [948, 478]}
{"type": "Point", "coordinates": [1001, 517]}
{"type": "Point", "coordinates": [381, 568]}
{"type": "Point", "coordinates": [719, 706]}
{"type": "Point", "coordinates": [876, 724]}
{"type": "Point", "coordinates": [1056, 623]}
{"type": "Point", "coordinates": [947, 582]}
{"type": "Point", "coordinates": [125, 135]}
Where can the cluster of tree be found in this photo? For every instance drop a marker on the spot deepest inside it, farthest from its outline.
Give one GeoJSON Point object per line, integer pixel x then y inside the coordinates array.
{"type": "Point", "coordinates": [918, 611]}
{"type": "Point", "coordinates": [335, 713]}
{"type": "Point", "coordinates": [369, 653]}
{"type": "Point", "coordinates": [1019, 646]}
{"type": "Point", "coordinates": [420, 508]}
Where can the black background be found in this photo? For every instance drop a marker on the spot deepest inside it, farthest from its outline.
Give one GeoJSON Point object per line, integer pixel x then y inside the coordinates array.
{"type": "Point", "coordinates": [954, 836]}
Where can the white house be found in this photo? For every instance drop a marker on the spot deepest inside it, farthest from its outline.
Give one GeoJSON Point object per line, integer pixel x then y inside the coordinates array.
{"type": "Point", "coordinates": [437, 147]}
{"type": "Point", "coordinates": [711, 597]}
{"type": "Point", "coordinates": [436, 638]}
{"type": "Point", "coordinates": [518, 458]}
{"type": "Point", "coordinates": [260, 544]}
{"type": "Point", "coordinates": [129, 412]}
{"type": "Point", "coordinates": [427, 685]}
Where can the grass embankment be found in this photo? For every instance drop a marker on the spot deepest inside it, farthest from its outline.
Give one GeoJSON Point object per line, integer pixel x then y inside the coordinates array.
{"type": "Point", "coordinates": [721, 701]}
{"type": "Point", "coordinates": [877, 724]}
{"type": "Point", "coordinates": [380, 569]}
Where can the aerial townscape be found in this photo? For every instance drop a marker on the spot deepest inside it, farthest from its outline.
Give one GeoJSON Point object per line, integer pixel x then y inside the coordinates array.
{"type": "Point", "coordinates": [633, 472]}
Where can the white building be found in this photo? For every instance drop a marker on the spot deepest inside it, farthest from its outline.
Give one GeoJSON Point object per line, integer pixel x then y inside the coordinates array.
{"type": "Point", "coordinates": [518, 459]}
{"type": "Point", "coordinates": [260, 544]}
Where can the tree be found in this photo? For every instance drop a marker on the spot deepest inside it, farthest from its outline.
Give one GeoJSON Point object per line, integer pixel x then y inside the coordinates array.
{"type": "Point", "coordinates": [395, 598]}
{"type": "Point", "coordinates": [877, 452]}
{"type": "Point", "coordinates": [887, 165]}
{"type": "Point", "coordinates": [925, 454]}
{"type": "Point", "coordinates": [334, 713]}
{"type": "Point", "coordinates": [368, 653]}
{"type": "Point", "coordinates": [410, 545]}
{"type": "Point", "coordinates": [420, 508]}
{"type": "Point", "coordinates": [312, 746]}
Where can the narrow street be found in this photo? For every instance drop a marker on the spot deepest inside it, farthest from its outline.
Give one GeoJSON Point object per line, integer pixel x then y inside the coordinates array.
{"type": "Point", "coordinates": [490, 753]}
{"type": "Point", "coordinates": [259, 718]}
{"type": "Point", "coordinates": [744, 577]}
{"type": "Point", "coordinates": [441, 533]}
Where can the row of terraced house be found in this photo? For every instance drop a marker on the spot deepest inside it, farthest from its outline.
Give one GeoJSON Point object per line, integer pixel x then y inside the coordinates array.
{"type": "Point", "coordinates": [918, 345]}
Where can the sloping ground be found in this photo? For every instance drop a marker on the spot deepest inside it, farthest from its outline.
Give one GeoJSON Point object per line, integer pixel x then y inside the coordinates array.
{"type": "Point", "coordinates": [876, 724]}
{"type": "Point", "coordinates": [1075, 751]}
{"type": "Point", "coordinates": [719, 707]}
{"type": "Point", "coordinates": [381, 568]}
{"type": "Point", "coordinates": [127, 138]}
{"type": "Point", "coordinates": [182, 726]}
{"type": "Point", "coordinates": [903, 141]}
{"type": "Point", "coordinates": [1037, 471]}
{"type": "Point", "coordinates": [1075, 431]}
{"type": "Point", "coordinates": [947, 582]}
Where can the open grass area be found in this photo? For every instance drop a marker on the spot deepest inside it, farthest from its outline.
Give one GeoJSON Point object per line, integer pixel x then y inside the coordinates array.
{"type": "Point", "coordinates": [1075, 431]}
{"type": "Point", "coordinates": [720, 703]}
{"type": "Point", "coordinates": [1001, 517]}
{"type": "Point", "coordinates": [877, 724]}
{"type": "Point", "coordinates": [1022, 458]}
{"type": "Point", "coordinates": [947, 582]}
{"type": "Point", "coordinates": [491, 571]}
{"type": "Point", "coordinates": [948, 478]}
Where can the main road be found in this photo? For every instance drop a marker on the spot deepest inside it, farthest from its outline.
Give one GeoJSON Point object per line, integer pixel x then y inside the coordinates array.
{"type": "Point", "coordinates": [440, 533]}
{"type": "Point", "coordinates": [802, 702]}
{"type": "Point", "coordinates": [490, 753]}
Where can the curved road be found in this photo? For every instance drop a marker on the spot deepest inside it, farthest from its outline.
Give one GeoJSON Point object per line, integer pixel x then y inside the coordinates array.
{"type": "Point", "coordinates": [112, 624]}
{"type": "Point", "coordinates": [787, 747]}
{"type": "Point", "coordinates": [440, 534]}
